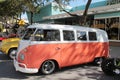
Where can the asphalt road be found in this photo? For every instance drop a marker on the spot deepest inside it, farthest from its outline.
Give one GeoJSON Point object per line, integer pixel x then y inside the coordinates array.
{"type": "Point", "coordinates": [115, 52]}
{"type": "Point", "coordinates": [80, 72]}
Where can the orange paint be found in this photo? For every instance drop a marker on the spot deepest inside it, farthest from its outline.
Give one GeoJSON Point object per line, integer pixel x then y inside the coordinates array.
{"type": "Point", "coordinates": [65, 54]}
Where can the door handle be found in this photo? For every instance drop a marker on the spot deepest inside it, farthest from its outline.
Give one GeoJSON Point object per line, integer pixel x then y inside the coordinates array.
{"type": "Point", "coordinates": [57, 48]}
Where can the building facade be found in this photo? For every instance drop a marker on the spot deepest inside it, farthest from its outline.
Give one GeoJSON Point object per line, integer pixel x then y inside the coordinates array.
{"type": "Point", "coordinates": [104, 15]}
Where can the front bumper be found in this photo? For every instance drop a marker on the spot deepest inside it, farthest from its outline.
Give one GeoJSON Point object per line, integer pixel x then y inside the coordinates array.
{"type": "Point", "coordinates": [24, 69]}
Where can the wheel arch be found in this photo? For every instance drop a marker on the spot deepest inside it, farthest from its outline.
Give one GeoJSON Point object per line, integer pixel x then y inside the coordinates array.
{"type": "Point", "coordinates": [11, 49]}
{"type": "Point", "coordinates": [55, 61]}
{"type": "Point", "coordinates": [98, 60]}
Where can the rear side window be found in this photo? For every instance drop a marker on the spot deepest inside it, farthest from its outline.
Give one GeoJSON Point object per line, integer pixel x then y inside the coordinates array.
{"type": "Point", "coordinates": [68, 35]}
{"type": "Point", "coordinates": [92, 36]}
{"type": "Point", "coordinates": [81, 36]}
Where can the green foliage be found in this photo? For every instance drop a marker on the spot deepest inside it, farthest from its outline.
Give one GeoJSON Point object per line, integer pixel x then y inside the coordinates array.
{"type": "Point", "coordinates": [15, 7]}
{"type": "Point", "coordinates": [2, 1]}
{"type": "Point", "coordinates": [1, 27]}
{"type": "Point", "coordinates": [10, 7]}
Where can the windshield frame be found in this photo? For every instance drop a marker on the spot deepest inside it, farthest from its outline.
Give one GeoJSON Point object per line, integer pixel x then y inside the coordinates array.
{"type": "Point", "coordinates": [28, 34]}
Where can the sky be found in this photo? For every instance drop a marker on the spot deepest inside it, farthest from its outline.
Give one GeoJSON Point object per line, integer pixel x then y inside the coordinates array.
{"type": "Point", "coordinates": [73, 3]}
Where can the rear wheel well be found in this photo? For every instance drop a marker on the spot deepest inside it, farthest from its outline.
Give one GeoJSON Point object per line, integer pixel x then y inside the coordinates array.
{"type": "Point", "coordinates": [98, 60]}
{"type": "Point", "coordinates": [56, 64]}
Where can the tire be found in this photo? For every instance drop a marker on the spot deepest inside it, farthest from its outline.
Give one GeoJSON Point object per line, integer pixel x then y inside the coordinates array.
{"type": "Point", "coordinates": [108, 67]}
{"type": "Point", "coordinates": [12, 53]}
{"type": "Point", "coordinates": [48, 67]}
{"type": "Point", "coordinates": [98, 61]}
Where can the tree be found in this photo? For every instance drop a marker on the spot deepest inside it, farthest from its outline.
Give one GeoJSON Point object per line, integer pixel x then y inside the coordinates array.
{"type": "Point", "coordinates": [86, 11]}
{"type": "Point", "coordinates": [30, 7]}
{"type": "Point", "coordinates": [84, 16]}
{"type": "Point", "coordinates": [10, 8]}
{"type": "Point", "coordinates": [1, 1]}
{"type": "Point", "coordinates": [34, 4]}
{"type": "Point", "coordinates": [15, 7]}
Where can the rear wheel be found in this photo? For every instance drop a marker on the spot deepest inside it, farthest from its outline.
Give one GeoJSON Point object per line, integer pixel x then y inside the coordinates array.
{"type": "Point", "coordinates": [12, 53]}
{"type": "Point", "coordinates": [48, 67]}
{"type": "Point", "coordinates": [108, 66]}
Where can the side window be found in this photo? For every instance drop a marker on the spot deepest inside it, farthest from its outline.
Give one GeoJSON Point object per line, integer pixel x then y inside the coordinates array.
{"type": "Point", "coordinates": [47, 35]}
{"type": "Point", "coordinates": [52, 35]}
{"type": "Point", "coordinates": [92, 36]}
{"type": "Point", "coordinates": [68, 35]}
{"type": "Point", "coordinates": [81, 35]}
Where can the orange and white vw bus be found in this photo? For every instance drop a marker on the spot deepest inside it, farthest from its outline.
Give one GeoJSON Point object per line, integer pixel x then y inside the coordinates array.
{"type": "Point", "coordinates": [47, 47]}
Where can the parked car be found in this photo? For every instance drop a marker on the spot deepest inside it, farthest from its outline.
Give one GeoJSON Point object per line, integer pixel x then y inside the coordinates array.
{"type": "Point", "coordinates": [9, 46]}
{"type": "Point", "coordinates": [2, 37]}
{"type": "Point", "coordinates": [111, 66]}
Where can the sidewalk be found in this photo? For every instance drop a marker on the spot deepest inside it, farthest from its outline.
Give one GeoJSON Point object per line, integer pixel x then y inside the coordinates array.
{"type": "Point", "coordinates": [115, 51]}
{"type": "Point", "coordinates": [115, 43]}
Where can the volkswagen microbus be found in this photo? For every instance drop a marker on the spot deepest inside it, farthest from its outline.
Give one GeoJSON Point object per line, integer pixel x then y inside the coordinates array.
{"type": "Point", "coordinates": [47, 47]}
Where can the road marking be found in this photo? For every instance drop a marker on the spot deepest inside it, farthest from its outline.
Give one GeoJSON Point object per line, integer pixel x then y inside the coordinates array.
{"type": "Point", "coordinates": [6, 60]}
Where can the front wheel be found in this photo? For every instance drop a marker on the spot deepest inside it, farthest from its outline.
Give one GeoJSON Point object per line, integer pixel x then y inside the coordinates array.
{"type": "Point", "coordinates": [48, 67]}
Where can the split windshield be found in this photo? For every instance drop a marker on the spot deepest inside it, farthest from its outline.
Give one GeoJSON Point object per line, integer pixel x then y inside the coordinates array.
{"type": "Point", "coordinates": [29, 33]}
{"type": "Point", "coordinates": [42, 35]}
{"type": "Point", "coordinates": [46, 35]}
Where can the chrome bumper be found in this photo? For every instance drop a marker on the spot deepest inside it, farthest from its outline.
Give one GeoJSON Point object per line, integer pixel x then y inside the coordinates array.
{"type": "Point", "coordinates": [24, 69]}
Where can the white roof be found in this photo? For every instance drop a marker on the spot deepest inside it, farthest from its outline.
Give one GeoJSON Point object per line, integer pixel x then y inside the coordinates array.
{"type": "Point", "coordinates": [58, 26]}
{"type": "Point", "coordinates": [100, 33]}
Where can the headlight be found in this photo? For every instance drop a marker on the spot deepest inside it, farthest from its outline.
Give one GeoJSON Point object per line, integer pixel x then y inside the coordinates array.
{"type": "Point", "coordinates": [22, 56]}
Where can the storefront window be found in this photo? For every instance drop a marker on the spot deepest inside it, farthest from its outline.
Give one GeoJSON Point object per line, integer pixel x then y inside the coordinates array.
{"type": "Point", "coordinates": [111, 26]}
{"type": "Point", "coordinates": [111, 2]}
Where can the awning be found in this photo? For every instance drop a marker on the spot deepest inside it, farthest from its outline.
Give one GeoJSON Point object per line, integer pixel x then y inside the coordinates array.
{"type": "Point", "coordinates": [107, 15]}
